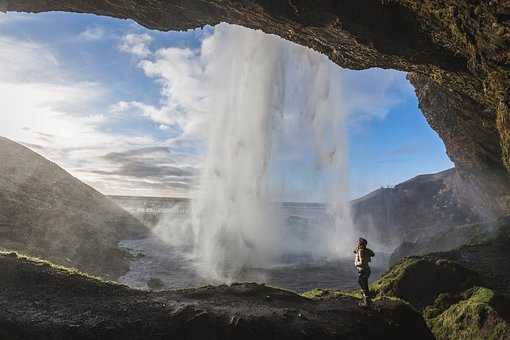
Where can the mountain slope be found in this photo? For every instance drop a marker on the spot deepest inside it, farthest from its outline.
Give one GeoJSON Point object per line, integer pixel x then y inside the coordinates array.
{"type": "Point", "coordinates": [46, 212]}
{"type": "Point", "coordinates": [423, 205]}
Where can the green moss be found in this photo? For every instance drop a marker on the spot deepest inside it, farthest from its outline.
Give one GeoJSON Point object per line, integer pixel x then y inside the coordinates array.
{"type": "Point", "coordinates": [419, 280]}
{"type": "Point", "coordinates": [62, 270]}
{"type": "Point", "coordinates": [314, 293]}
{"type": "Point", "coordinates": [442, 303]}
{"type": "Point", "coordinates": [475, 316]}
{"type": "Point", "coordinates": [319, 293]}
{"type": "Point", "coordinates": [386, 284]}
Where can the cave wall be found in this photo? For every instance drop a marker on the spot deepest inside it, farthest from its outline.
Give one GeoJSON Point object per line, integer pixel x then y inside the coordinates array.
{"type": "Point", "coordinates": [457, 53]}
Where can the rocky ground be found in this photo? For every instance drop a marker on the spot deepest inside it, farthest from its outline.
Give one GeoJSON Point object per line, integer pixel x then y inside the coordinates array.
{"type": "Point", "coordinates": [41, 301]}
{"type": "Point", "coordinates": [460, 294]}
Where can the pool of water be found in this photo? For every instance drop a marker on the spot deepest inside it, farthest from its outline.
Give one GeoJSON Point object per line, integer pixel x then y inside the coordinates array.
{"type": "Point", "coordinates": [175, 269]}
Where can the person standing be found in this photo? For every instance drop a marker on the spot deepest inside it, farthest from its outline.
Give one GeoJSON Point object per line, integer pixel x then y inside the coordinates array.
{"type": "Point", "coordinates": [362, 258]}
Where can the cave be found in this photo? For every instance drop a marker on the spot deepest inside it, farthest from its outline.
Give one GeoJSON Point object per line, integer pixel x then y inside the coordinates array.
{"type": "Point", "coordinates": [455, 53]}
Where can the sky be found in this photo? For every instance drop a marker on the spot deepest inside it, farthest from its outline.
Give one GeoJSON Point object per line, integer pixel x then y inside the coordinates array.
{"type": "Point", "coordinates": [119, 107]}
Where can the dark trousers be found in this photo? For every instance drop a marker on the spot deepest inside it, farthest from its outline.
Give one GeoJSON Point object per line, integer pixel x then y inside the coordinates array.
{"type": "Point", "coordinates": [363, 275]}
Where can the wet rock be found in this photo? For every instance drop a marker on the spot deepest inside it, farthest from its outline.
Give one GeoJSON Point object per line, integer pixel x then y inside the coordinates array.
{"type": "Point", "coordinates": [155, 283]}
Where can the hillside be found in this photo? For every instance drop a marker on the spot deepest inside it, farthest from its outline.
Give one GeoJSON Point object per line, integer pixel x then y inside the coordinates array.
{"type": "Point", "coordinates": [423, 205]}
{"type": "Point", "coordinates": [46, 212]}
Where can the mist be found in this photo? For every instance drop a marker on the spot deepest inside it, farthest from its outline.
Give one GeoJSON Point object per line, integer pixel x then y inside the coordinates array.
{"type": "Point", "coordinates": [269, 107]}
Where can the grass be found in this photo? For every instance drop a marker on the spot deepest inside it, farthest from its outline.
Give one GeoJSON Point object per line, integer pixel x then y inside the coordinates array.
{"type": "Point", "coordinates": [475, 316]}
{"type": "Point", "coordinates": [320, 293]}
{"type": "Point", "coordinates": [66, 271]}
{"type": "Point", "coordinates": [384, 287]}
{"type": "Point", "coordinates": [386, 284]}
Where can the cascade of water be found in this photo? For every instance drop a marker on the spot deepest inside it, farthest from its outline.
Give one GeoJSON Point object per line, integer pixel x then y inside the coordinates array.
{"type": "Point", "coordinates": [268, 99]}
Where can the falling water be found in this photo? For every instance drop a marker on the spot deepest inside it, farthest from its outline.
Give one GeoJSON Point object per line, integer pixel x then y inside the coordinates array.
{"type": "Point", "coordinates": [268, 100]}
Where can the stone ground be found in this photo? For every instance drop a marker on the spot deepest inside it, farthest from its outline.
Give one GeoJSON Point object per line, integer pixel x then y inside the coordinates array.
{"type": "Point", "coordinates": [41, 301]}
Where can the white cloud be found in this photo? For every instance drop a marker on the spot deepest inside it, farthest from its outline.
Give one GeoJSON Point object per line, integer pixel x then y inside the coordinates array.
{"type": "Point", "coordinates": [14, 17]}
{"type": "Point", "coordinates": [56, 114]}
{"type": "Point", "coordinates": [186, 84]}
{"type": "Point", "coordinates": [92, 34]}
{"type": "Point", "coordinates": [373, 93]}
{"type": "Point", "coordinates": [180, 71]}
{"type": "Point", "coordinates": [26, 61]}
{"type": "Point", "coordinates": [136, 44]}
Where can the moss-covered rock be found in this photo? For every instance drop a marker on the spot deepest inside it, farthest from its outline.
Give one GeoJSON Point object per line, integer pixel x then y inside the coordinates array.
{"type": "Point", "coordinates": [155, 284]}
{"type": "Point", "coordinates": [321, 293]}
{"type": "Point", "coordinates": [419, 280]}
{"type": "Point", "coordinates": [479, 313]}
{"type": "Point", "coordinates": [450, 296]}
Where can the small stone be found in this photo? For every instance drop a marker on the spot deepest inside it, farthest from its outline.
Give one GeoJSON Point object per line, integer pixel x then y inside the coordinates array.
{"type": "Point", "coordinates": [155, 283]}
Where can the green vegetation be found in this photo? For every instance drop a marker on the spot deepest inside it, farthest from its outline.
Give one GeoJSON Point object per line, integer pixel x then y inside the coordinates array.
{"type": "Point", "coordinates": [480, 314]}
{"type": "Point", "coordinates": [319, 293]}
{"type": "Point", "coordinates": [387, 285]}
{"type": "Point", "coordinates": [453, 306]}
{"type": "Point", "coordinates": [419, 280]}
{"type": "Point", "coordinates": [61, 270]}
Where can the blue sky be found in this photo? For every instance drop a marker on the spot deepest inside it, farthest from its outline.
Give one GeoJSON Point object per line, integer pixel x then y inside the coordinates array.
{"type": "Point", "coordinates": [118, 106]}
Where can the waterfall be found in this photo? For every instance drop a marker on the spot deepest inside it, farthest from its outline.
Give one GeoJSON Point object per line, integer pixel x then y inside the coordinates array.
{"type": "Point", "coordinates": [267, 98]}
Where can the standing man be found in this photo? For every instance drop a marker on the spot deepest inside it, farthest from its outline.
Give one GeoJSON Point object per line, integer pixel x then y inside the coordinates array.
{"type": "Point", "coordinates": [361, 260]}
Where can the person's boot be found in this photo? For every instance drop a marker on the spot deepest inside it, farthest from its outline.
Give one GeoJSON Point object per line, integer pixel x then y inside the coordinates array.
{"type": "Point", "coordinates": [367, 301]}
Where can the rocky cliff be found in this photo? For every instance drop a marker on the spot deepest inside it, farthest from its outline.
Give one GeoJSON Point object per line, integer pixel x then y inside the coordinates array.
{"type": "Point", "coordinates": [44, 211]}
{"type": "Point", "coordinates": [457, 53]}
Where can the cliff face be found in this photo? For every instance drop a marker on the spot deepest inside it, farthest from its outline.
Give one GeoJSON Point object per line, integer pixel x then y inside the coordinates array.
{"type": "Point", "coordinates": [44, 211]}
{"type": "Point", "coordinates": [422, 206]}
{"type": "Point", "coordinates": [457, 53]}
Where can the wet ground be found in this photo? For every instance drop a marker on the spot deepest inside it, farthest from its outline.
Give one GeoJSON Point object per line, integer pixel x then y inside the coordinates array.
{"type": "Point", "coordinates": [173, 268]}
